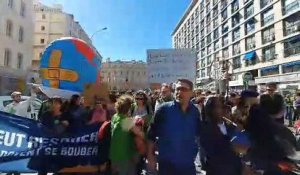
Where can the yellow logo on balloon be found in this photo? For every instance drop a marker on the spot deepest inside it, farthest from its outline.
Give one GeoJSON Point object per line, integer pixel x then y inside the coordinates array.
{"type": "Point", "coordinates": [54, 73]}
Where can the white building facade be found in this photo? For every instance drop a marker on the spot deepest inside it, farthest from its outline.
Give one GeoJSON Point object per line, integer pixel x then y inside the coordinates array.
{"type": "Point", "coordinates": [124, 75]}
{"type": "Point", "coordinates": [260, 37]}
{"type": "Point", "coordinates": [52, 23]}
{"type": "Point", "coordinates": [16, 33]}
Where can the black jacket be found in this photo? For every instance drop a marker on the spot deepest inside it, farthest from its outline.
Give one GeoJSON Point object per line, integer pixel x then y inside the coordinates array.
{"type": "Point", "coordinates": [220, 158]}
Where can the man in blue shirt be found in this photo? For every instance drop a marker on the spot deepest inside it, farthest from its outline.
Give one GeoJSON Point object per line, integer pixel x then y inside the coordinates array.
{"type": "Point", "coordinates": [175, 129]}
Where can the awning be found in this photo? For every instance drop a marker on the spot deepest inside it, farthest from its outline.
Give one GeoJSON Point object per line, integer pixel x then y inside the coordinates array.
{"type": "Point", "coordinates": [270, 68]}
{"type": "Point", "coordinates": [291, 64]}
{"type": "Point", "coordinates": [250, 55]}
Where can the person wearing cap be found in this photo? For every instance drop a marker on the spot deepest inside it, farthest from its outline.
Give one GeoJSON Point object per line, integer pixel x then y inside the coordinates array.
{"type": "Point", "coordinates": [175, 129]}
{"type": "Point", "coordinates": [273, 103]}
{"type": "Point", "coordinates": [19, 107]}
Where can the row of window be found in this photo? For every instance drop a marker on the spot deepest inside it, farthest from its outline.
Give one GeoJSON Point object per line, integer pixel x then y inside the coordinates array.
{"type": "Point", "coordinates": [274, 70]}
{"type": "Point", "coordinates": [109, 74]}
{"type": "Point", "coordinates": [8, 59]}
{"type": "Point", "coordinates": [187, 34]}
{"type": "Point", "coordinates": [10, 29]}
{"type": "Point", "coordinates": [11, 5]}
{"type": "Point", "coordinates": [268, 53]}
{"type": "Point", "coordinates": [268, 36]}
{"type": "Point", "coordinates": [291, 25]}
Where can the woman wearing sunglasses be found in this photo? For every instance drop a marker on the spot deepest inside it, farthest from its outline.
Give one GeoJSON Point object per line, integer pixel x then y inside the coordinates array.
{"type": "Point", "coordinates": [99, 113]}
{"type": "Point", "coordinates": [141, 110]}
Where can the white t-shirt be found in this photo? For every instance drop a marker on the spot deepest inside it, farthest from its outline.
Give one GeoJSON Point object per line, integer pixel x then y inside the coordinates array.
{"type": "Point", "coordinates": [20, 108]}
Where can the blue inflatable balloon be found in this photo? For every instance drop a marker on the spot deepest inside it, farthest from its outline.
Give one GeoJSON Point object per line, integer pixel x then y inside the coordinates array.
{"type": "Point", "coordinates": [69, 64]}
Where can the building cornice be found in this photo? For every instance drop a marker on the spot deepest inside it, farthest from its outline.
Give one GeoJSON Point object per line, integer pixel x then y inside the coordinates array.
{"type": "Point", "coordinates": [186, 13]}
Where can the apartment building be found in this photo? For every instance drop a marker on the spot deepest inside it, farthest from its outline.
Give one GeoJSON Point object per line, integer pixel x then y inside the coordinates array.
{"type": "Point", "coordinates": [257, 37]}
{"type": "Point", "coordinates": [16, 31]}
{"type": "Point", "coordinates": [51, 23]}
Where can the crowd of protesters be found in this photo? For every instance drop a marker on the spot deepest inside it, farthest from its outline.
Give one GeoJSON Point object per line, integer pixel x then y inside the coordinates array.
{"type": "Point", "coordinates": [165, 130]}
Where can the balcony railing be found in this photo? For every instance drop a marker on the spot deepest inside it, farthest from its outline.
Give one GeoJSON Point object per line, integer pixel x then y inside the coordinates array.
{"type": "Point", "coordinates": [224, 17]}
{"type": "Point", "coordinates": [291, 51]}
{"type": "Point", "coordinates": [217, 46]}
{"type": "Point", "coordinates": [236, 37]}
{"type": "Point", "coordinates": [251, 62]}
{"type": "Point", "coordinates": [250, 30]}
{"type": "Point", "coordinates": [216, 23]}
{"type": "Point", "coordinates": [208, 61]}
{"type": "Point", "coordinates": [215, 1]}
{"type": "Point", "coordinates": [223, 4]}
{"type": "Point", "coordinates": [207, 7]}
{"type": "Point", "coordinates": [250, 46]}
{"type": "Point", "coordinates": [208, 41]}
{"type": "Point", "coordinates": [225, 29]}
{"type": "Point", "coordinates": [208, 29]}
{"type": "Point", "coordinates": [268, 57]}
{"type": "Point", "coordinates": [246, 1]}
{"type": "Point", "coordinates": [216, 36]}
{"type": "Point", "coordinates": [291, 7]}
{"type": "Point", "coordinates": [268, 19]}
{"type": "Point", "coordinates": [235, 7]}
{"type": "Point", "coordinates": [236, 51]}
{"type": "Point", "coordinates": [235, 22]}
{"type": "Point", "coordinates": [236, 65]}
{"type": "Point", "coordinates": [215, 13]}
{"type": "Point", "coordinates": [292, 29]}
{"type": "Point", "coordinates": [225, 42]}
{"type": "Point", "coordinates": [268, 38]}
{"type": "Point", "coordinates": [265, 3]}
{"type": "Point", "coordinates": [249, 13]}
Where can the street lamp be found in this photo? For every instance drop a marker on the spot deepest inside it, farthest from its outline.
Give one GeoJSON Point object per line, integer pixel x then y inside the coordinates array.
{"type": "Point", "coordinates": [104, 28]}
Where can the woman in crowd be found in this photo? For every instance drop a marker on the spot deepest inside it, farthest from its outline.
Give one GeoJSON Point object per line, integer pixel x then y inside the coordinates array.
{"type": "Point", "coordinates": [76, 113]}
{"type": "Point", "coordinates": [141, 108]}
{"type": "Point", "coordinates": [111, 105]}
{"type": "Point", "coordinates": [123, 153]}
{"type": "Point", "coordinates": [240, 113]}
{"type": "Point", "coordinates": [53, 120]}
{"type": "Point", "coordinates": [99, 113]}
{"type": "Point", "coordinates": [271, 142]}
{"type": "Point", "coordinates": [215, 141]}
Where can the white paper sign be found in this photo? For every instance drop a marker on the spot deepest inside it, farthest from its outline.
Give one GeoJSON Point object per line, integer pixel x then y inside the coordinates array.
{"type": "Point", "coordinates": [169, 65]}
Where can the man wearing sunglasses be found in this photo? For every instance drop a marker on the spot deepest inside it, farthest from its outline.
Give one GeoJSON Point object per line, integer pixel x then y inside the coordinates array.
{"type": "Point", "coordinates": [175, 129]}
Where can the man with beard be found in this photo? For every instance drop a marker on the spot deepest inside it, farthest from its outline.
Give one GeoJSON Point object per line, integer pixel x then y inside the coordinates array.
{"type": "Point", "coordinates": [165, 95]}
{"type": "Point", "coordinates": [175, 128]}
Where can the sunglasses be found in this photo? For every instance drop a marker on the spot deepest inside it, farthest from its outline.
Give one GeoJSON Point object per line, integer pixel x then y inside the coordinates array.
{"type": "Point", "coordinates": [184, 89]}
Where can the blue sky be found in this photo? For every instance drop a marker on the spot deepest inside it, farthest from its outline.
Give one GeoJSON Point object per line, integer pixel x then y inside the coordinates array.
{"type": "Point", "coordinates": [133, 25]}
